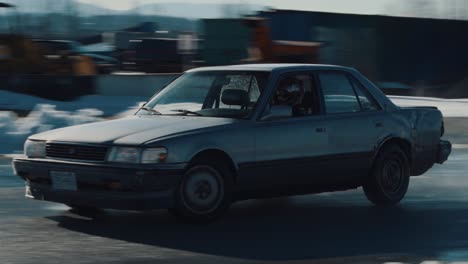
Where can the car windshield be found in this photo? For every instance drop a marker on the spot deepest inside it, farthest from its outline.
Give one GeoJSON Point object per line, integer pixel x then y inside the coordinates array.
{"type": "Point", "coordinates": [211, 94]}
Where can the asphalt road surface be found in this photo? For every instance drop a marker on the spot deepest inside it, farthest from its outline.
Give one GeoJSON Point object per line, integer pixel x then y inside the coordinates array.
{"type": "Point", "coordinates": [431, 224]}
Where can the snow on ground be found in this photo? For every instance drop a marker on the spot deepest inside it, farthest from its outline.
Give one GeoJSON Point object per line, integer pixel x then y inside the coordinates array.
{"type": "Point", "coordinates": [14, 131]}
{"type": "Point", "coordinates": [448, 107]}
{"type": "Point", "coordinates": [109, 105]}
{"type": "Point", "coordinates": [49, 114]}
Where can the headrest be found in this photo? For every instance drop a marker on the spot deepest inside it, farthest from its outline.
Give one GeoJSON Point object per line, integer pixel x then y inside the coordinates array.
{"type": "Point", "coordinates": [235, 97]}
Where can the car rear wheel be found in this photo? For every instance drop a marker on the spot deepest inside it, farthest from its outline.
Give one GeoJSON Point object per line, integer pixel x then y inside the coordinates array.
{"type": "Point", "coordinates": [389, 179]}
{"type": "Point", "coordinates": [204, 193]}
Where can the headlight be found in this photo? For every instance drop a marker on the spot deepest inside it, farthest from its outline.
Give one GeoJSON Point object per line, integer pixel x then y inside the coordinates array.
{"type": "Point", "coordinates": [137, 155]}
{"type": "Point", "coordinates": [34, 149]}
{"type": "Point", "coordinates": [153, 155]}
{"type": "Point", "coordinates": [125, 155]}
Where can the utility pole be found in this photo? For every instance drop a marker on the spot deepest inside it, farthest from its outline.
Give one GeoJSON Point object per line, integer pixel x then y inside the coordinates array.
{"type": "Point", "coordinates": [72, 17]}
{"type": "Point", "coordinates": [228, 10]}
{"type": "Point", "coordinates": [422, 8]}
{"type": "Point", "coordinates": [47, 19]}
{"type": "Point", "coordinates": [464, 10]}
{"type": "Point", "coordinates": [454, 7]}
{"type": "Point", "coordinates": [136, 12]}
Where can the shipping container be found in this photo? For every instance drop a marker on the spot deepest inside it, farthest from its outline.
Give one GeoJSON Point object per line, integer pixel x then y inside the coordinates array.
{"type": "Point", "coordinates": [226, 41]}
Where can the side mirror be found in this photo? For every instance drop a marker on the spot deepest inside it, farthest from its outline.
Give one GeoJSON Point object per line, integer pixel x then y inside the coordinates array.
{"type": "Point", "coordinates": [278, 112]}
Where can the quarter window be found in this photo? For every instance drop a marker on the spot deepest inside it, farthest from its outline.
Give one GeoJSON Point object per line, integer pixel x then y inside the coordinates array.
{"type": "Point", "coordinates": [338, 93]}
{"type": "Point", "coordinates": [368, 103]}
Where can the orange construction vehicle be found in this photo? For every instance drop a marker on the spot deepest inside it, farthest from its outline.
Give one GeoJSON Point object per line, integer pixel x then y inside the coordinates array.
{"type": "Point", "coordinates": [264, 49]}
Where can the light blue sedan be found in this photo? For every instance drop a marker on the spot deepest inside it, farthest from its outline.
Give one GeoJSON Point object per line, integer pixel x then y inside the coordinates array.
{"type": "Point", "coordinates": [221, 134]}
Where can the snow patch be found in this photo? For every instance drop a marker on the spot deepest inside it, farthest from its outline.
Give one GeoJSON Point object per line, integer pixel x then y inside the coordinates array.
{"type": "Point", "coordinates": [44, 117]}
{"type": "Point", "coordinates": [49, 114]}
{"type": "Point", "coordinates": [109, 105]}
{"type": "Point", "coordinates": [448, 107]}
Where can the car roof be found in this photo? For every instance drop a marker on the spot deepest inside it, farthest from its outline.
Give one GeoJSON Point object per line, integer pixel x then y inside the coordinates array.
{"type": "Point", "coordinates": [270, 67]}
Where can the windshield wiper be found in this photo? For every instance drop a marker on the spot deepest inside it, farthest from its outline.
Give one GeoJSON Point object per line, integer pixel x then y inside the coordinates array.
{"type": "Point", "coordinates": [151, 110]}
{"type": "Point", "coordinates": [187, 112]}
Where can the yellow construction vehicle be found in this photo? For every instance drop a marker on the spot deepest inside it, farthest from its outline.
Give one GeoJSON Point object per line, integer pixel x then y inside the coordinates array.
{"type": "Point", "coordinates": [21, 55]}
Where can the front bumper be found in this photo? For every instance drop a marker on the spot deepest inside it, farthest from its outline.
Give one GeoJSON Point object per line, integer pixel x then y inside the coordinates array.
{"type": "Point", "coordinates": [110, 186]}
{"type": "Point", "coordinates": [444, 150]}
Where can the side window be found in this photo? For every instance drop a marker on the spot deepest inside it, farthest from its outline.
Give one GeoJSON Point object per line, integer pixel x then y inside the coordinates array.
{"type": "Point", "coordinates": [368, 103]}
{"type": "Point", "coordinates": [338, 93]}
{"type": "Point", "coordinates": [296, 91]}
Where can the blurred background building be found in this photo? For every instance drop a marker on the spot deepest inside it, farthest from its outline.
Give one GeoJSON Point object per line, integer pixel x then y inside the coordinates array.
{"type": "Point", "coordinates": [416, 47]}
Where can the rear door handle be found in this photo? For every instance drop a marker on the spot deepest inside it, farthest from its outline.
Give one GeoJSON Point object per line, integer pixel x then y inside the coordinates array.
{"type": "Point", "coordinates": [320, 130]}
{"type": "Point", "coordinates": [379, 124]}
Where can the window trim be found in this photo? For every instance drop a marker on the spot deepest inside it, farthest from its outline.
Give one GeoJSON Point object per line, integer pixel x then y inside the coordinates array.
{"type": "Point", "coordinates": [354, 81]}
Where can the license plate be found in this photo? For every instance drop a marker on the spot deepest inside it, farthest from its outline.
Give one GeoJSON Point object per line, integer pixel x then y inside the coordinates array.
{"type": "Point", "coordinates": [62, 180]}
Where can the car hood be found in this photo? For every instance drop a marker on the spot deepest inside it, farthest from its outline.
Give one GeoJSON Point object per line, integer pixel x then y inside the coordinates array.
{"type": "Point", "coordinates": [133, 130]}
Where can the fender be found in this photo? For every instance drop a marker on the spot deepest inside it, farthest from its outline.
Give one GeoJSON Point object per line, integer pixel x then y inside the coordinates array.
{"type": "Point", "coordinates": [388, 138]}
{"type": "Point", "coordinates": [226, 155]}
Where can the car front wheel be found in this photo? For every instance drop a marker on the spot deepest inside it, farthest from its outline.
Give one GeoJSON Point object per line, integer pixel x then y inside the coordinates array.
{"type": "Point", "coordinates": [204, 192]}
{"type": "Point", "coordinates": [389, 179]}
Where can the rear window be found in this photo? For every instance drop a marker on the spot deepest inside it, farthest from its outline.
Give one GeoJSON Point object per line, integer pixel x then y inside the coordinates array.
{"type": "Point", "coordinates": [338, 93]}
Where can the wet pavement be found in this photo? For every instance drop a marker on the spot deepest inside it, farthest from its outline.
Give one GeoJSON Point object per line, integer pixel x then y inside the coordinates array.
{"type": "Point", "coordinates": [430, 224]}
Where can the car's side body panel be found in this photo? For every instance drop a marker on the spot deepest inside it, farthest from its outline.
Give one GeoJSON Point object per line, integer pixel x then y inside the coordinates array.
{"type": "Point", "coordinates": [288, 152]}
{"type": "Point", "coordinates": [322, 152]}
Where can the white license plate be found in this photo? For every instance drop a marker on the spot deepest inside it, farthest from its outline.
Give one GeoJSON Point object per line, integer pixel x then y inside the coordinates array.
{"type": "Point", "coordinates": [62, 180]}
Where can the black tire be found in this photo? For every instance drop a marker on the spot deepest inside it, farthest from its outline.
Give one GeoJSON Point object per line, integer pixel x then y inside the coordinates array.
{"type": "Point", "coordinates": [204, 192]}
{"type": "Point", "coordinates": [389, 179]}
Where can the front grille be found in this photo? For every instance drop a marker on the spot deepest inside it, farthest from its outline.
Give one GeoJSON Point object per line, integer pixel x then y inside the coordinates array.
{"type": "Point", "coordinates": [76, 152]}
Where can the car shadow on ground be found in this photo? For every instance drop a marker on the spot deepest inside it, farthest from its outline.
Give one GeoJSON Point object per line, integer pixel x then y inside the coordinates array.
{"type": "Point", "coordinates": [288, 229]}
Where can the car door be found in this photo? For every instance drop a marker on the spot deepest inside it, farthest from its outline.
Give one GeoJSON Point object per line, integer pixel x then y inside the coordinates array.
{"type": "Point", "coordinates": [286, 149]}
{"type": "Point", "coordinates": [355, 124]}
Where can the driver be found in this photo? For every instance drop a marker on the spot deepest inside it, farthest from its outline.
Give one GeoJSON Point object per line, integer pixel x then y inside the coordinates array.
{"type": "Point", "coordinates": [291, 93]}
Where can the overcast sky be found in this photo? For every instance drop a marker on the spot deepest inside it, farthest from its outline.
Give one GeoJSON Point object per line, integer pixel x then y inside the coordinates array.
{"type": "Point", "coordinates": [367, 6]}
{"type": "Point", "coordinates": [427, 8]}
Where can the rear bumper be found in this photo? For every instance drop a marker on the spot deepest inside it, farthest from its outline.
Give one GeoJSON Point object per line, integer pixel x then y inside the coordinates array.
{"type": "Point", "coordinates": [103, 185]}
{"type": "Point", "coordinates": [444, 150]}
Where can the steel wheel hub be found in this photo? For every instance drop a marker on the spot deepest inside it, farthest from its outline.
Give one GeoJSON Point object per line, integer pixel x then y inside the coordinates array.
{"type": "Point", "coordinates": [392, 176]}
{"type": "Point", "coordinates": [202, 190]}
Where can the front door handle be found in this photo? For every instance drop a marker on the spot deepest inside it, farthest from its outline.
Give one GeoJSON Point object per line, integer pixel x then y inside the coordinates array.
{"type": "Point", "coordinates": [379, 124]}
{"type": "Point", "coordinates": [320, 130]}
